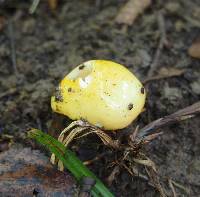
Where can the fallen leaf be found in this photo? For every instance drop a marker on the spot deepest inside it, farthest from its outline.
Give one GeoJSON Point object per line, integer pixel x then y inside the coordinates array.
{"type": "Point", "coordinates": [131, 10]}
{"type": "Point", "coordinates": [194, 50]}
{"type": "Point", "coordinates": [24, 171]}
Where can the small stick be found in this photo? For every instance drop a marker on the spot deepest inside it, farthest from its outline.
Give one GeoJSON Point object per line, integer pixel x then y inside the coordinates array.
{"type": "Point", "coordinates": [8, 92]}
{"type": "Point", "coordinates": [12, 46]}
{"type": "Point", "coordinates": [155, 180]}
{"type": "Point", "coordinates": [34, 6]}
{"type": "Point", "coordinates": [172, 188]}
{"type": "Point", "coordinates": [98, 157]}
{"type": "Point", "coordinates": [178, 116]}
{"type": "Point", "coordinates": [163, 76]}
{"type": "Point", "coordinates": [162, 42]}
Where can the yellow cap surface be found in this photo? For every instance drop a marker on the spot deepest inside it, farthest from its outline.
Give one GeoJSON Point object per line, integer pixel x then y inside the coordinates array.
{"type": "Point", "coordinates": [104, 93]}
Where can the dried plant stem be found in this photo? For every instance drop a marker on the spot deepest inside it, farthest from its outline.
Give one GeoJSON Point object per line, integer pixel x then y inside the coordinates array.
{"type": "Point", "coordinates": [178, 116]}
{"type": "Point", "coordinates": [162, 42]}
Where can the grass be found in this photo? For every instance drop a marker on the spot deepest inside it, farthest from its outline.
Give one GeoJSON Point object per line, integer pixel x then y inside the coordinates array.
{"type": "Point", "coordinates": [70, 161]}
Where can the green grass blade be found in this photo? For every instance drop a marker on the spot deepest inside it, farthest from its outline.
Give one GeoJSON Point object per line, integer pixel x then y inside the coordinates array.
{"type": "Point", "coordinates": [70, 161]}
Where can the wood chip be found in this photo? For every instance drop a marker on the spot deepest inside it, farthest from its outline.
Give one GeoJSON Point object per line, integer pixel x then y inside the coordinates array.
{"type": "Point", "coordinates": [131, 10]}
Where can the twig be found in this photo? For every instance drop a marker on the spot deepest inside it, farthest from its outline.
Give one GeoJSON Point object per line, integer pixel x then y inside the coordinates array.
{"type": "Point", "coordinates": [98, 157]}
{"type": "Point", "coordinates": [163, 76]}
{"type": "Point", "coordinates": [162, 42]}
{"type": "Point", "coordinates": [172, 188]}
{"type": "Point", "coordinates": [191, 20]}
{"type": "Point", "coordinates": [177, 185]}
{"type": "Point", "coordinates": [8, 92]}
{"type": "Point", "coordinates": [12, 46]}
{"type": "Point", "coordinates": [34, 6]}
{"type": "Point", "coordinates": [155, 180]}
{"type": "Point", "coordinates": [180, 115]}
{"type": "Point", "coordinates": [113, 175]}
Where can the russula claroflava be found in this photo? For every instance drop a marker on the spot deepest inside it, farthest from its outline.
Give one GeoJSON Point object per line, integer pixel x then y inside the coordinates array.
{"type": "Point", "coordinates": [104, 93]}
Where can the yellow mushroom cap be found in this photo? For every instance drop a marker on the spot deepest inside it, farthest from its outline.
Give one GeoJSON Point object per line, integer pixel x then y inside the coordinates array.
{"type": "Point", "coordinates": [104, 93]}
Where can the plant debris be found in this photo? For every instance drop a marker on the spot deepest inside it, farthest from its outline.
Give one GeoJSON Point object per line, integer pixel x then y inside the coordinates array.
{"type": "Point", "coordinates": [131, 10]}
{"type": "Point", "coordinates": [2, 22]}
{"type": "Point", "coordinates": [53, 4]}
{"type": "Point", "coordinates": [165, 73]}
{"type": "Point", "coordinates": [180, 115]}
{"type": "Point", "coordinates": [162, 42]}
{"type": "Point", "coordinates": [194, 50]}
{"type": "Point", "coordinates": [131, 151]}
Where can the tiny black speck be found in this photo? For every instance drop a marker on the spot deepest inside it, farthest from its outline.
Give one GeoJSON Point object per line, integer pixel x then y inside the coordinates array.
{"type": "Point", "coordinates": [81, 67]}
{"type": "Point", "coordinates": [69, 89]}
{"type": "Point", "coordinates": [142, 90]}
{"type": "Point", "coordinates": [130, 106]}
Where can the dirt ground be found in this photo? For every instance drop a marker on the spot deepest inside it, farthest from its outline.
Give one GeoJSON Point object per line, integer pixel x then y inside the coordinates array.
{"type": "Point", "coordinates": [49, 44]}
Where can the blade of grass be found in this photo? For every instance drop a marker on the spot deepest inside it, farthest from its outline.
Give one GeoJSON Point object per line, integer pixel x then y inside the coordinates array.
{"type": "Point", "coordinates": [70, 161]}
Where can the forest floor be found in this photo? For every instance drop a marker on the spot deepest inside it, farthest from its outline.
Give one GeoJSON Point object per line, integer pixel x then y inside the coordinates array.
{"type": "Point", "coordinates": [48, 45]}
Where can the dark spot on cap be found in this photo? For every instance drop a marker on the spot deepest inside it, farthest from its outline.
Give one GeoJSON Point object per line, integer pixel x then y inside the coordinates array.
{"type": "Point", "coordinates": [58, 95]}
{"type": "Point", "coordinates": [81, 67]}
{"type": "Point", "coordinates": [142, 90]}
{"type": "Point", "coordinates": [69, 89]}
{"type": "Point", "coordinates": [130, 106]}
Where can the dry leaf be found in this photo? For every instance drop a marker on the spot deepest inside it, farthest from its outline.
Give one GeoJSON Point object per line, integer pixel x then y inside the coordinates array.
{"type": "Point", "coordinates": [194, 50]}
{"type": "Point", "coordinates": [23, 170]}
{"type": "Point", "coordinates": [131, 10]}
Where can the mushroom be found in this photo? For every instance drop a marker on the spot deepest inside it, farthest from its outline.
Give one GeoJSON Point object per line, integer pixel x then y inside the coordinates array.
{"type": "Point", "coordinates": [104, 93]}
{"type": "Point", "coordinates": [98, 94]}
